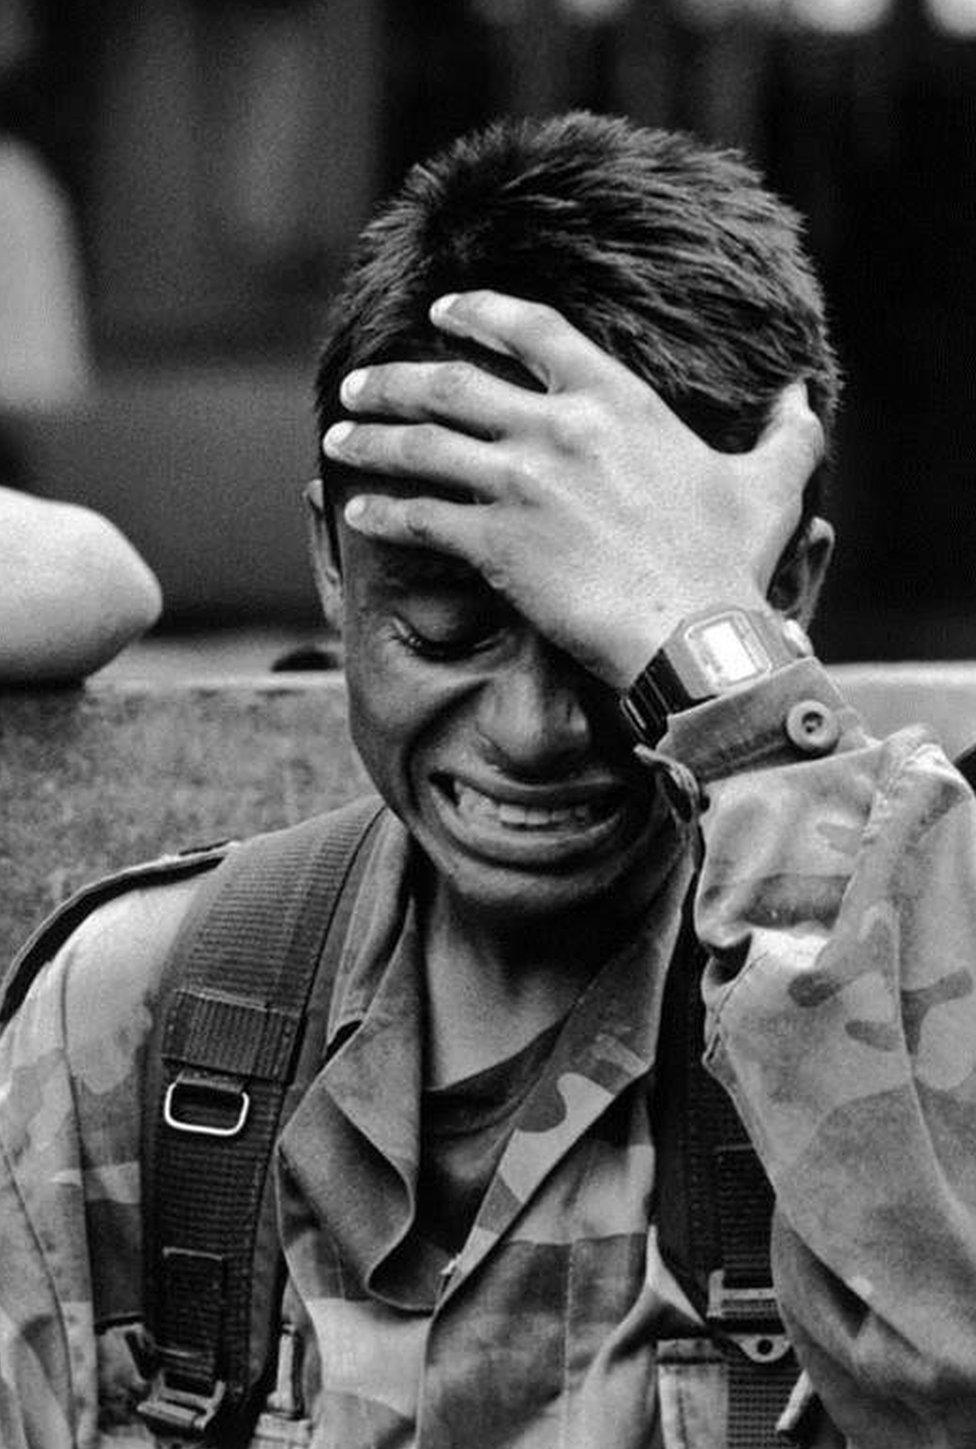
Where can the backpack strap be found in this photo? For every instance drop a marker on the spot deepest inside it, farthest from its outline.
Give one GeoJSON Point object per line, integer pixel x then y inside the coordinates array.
{"type": "Point", "coordinates": [714, 1210]}
{"type": "Point", "coordinates": [54, 931]}
{"type": "Point", "coordinates": [238, 1036]}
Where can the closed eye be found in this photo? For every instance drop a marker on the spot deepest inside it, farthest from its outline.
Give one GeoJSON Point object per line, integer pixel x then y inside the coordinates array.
{"type": "Point", "coordinates": [458, 644]}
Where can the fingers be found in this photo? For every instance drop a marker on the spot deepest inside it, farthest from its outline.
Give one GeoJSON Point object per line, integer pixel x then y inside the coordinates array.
{"type": "Point", "coordinates": [430, 523]}
{"type": "Point", "coordinates": [535, 334]}
{"type": "Point", "coordinates": [466, 396]}
{"type": "Point", "coordinates": [454, 392]}
{"type": "Point", "coordinates": [426, 451]}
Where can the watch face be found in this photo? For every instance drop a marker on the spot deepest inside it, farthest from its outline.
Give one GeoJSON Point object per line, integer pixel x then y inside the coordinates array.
{"type": "Point", "coordinates": [727, 650]}
{"type": "Point", "coordinates": [707, 655]}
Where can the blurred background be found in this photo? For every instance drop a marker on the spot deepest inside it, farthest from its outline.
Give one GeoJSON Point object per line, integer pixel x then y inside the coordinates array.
{"type": "Point", "coordinates": [207, 164]}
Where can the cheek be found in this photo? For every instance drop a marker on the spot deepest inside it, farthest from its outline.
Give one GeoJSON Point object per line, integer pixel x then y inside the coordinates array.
{"type": "Point", "coordinates": [382, 704]}
{"type": "Point", "coordinates": [396, 705]}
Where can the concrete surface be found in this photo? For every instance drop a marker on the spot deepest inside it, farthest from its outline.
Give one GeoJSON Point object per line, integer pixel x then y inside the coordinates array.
{"type": "Point", "coordinates": [121, 771]}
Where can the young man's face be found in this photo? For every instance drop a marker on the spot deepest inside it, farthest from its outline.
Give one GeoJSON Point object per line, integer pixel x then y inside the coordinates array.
{"type": "Point", "coordinates": [506, 762]}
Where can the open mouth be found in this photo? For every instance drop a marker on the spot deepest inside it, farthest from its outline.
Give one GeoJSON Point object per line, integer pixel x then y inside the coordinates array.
{"type": "Point", "coordinates": [544, 825]}
{"type": "Point", "coordinates": [475, 805]}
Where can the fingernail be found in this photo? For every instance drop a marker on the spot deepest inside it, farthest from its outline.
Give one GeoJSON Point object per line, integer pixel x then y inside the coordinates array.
{"type": "Point", "coordinates": [354, 509]}
{"type": "Point", "coordinates": [443, 305]}
{"type": "Point", "coordinates": [336, 436]}
{"type": "Point", "coordinates": [352, 385]}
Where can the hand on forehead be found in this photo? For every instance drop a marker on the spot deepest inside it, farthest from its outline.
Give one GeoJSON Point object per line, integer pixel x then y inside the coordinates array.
{"type": "Point", "coordinates": [602, 517]}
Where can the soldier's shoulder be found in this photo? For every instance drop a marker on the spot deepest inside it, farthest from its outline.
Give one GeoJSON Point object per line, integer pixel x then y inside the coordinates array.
{"type": "Point", "coordinates": [111, 939]}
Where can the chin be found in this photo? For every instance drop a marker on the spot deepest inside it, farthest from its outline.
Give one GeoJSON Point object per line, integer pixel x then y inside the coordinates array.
{"type": "Point", "coordinates": [550, 884]}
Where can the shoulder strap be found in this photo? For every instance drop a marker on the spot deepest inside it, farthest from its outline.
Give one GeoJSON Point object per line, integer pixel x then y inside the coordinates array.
{"type": "Point", "coordinates": [714, 1210]}
{"type": "Point", "coordinates": [52, 933]}
{"type": "Point", "coordinates": [239, 1034]}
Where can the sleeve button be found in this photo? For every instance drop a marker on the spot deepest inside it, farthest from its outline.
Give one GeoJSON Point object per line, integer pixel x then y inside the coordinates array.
{"type": "Point", "coordinates": [812, 727]}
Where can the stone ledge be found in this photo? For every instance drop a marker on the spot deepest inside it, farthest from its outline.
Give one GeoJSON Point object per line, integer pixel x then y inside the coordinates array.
{"type": "Point", "coordinates": [121, 771]}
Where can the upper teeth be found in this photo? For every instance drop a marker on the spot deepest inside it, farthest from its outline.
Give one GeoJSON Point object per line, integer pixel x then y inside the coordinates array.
{"type": "Point", "coordinates": [520, 817]}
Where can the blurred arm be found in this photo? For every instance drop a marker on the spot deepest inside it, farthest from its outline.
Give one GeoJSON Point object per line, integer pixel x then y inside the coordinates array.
{"type": "Point", "coordinates": [73, 590]}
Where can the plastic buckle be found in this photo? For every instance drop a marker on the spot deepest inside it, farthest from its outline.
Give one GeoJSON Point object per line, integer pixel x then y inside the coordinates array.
{"type": "Point", "coordinates": [193, 1085]}
{"type": "Point", "coordinates": [748, 1317]}
{"type": "Point", "coordinates": [168, 1409]}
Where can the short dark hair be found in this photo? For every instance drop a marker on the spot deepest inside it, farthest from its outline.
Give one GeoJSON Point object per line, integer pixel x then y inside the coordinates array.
{"type": "Point", "coordinates": [669, 254]}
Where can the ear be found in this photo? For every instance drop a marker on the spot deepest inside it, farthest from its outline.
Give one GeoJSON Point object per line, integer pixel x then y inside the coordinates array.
{"type": "Point", "coordinates": [799, 575]}
{"type": "Point", "coordinates": [325, 564]}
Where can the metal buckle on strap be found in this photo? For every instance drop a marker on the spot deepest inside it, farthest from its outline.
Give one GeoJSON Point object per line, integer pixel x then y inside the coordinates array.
{"type": "Point", "coordinates": [747, 1316]}
{"type": "Point", "coordinates": [172, 1410]}
{"type": "Point", "coordinates": [194, 1087]}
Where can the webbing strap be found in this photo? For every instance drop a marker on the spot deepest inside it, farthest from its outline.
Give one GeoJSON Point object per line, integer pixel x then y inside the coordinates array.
{"type": "Point", "coordinates": [714, 1210]}
{"type": "Point", "coordinates": [239, 1034]}
{"type": "Point", "coordinates": [757, 1397]}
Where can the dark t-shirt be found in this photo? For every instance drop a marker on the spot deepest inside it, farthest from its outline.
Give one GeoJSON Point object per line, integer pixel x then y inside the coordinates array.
{"type": "Point", "coordinates": [464, 1128]}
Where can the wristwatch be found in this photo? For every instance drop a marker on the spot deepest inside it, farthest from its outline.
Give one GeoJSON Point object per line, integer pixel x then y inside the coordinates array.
{"type": "Point", "coordinates": [709, 653]}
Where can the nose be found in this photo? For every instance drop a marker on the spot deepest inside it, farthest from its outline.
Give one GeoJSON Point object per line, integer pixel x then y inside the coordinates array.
{"type": "Point", "coordinates": [530, 713]}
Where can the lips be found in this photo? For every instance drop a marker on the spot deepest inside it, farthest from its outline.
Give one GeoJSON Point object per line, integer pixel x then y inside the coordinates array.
{"type": "Point", "coordinates": [545, 827]}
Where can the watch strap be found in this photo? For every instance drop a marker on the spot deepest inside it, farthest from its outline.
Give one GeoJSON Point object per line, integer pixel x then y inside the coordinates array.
{"type": "Point", "coordinates": [718, 649]}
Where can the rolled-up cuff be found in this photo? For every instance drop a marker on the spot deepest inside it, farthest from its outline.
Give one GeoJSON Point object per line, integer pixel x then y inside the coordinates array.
{"type": "Point", "coordinates": [794, 714]}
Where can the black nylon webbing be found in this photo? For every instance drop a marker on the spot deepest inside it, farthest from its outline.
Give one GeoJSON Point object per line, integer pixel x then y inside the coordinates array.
{"type": "Point", "coordinates": [714, 1203]}
{"type": "Point", "coordinates": [757, 1396]}
{"type": "Point", "coordinates": [745, 1211]}
{"type": "Point", "coordinates": [239, 988]}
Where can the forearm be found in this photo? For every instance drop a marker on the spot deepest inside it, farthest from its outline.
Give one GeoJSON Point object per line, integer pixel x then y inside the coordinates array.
{"type": "Point", "coordinates": [837, 896]}
{"type": "Point", "coordinates": [74, 591]}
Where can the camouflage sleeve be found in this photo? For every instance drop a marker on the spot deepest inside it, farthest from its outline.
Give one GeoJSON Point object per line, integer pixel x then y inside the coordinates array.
{"type": "Point", "coordinates": [838, 897]}
{"type": "Point", "coordinates": [69, 1175]}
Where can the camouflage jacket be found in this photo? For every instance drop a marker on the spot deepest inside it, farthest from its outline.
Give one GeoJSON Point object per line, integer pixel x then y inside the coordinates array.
{"type": "Point", "coordinates": [837, 896]}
